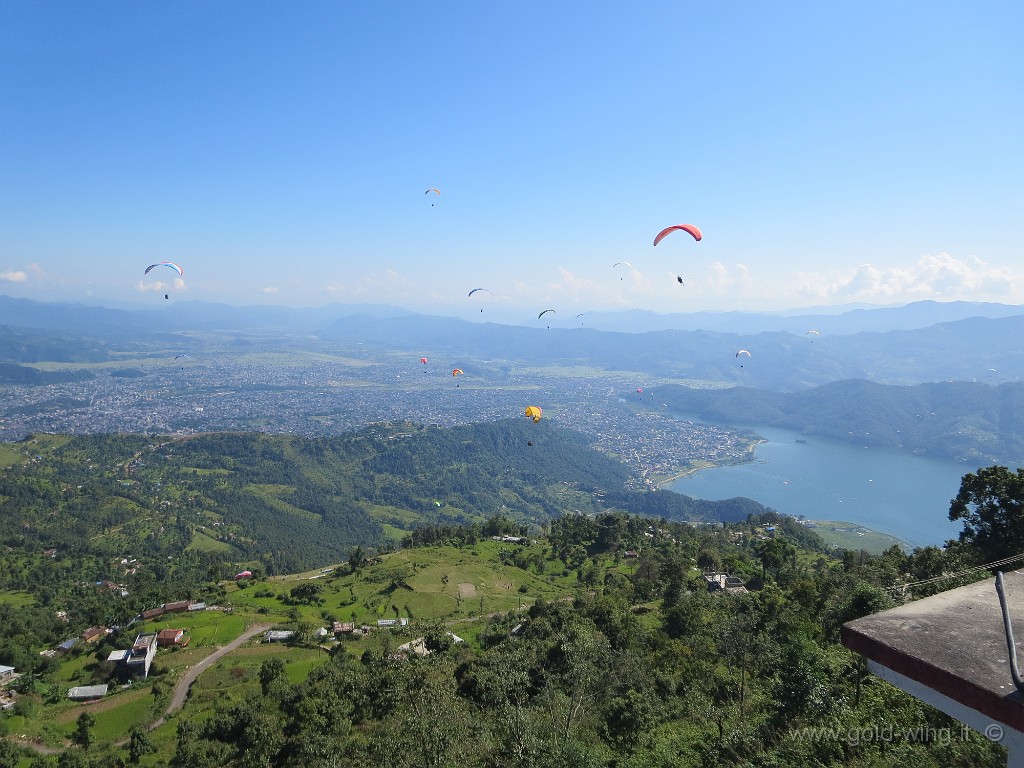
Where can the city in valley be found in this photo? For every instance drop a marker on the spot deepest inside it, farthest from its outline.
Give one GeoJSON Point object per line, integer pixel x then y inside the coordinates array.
{"type": "Point", "coordinates": [320, 394]}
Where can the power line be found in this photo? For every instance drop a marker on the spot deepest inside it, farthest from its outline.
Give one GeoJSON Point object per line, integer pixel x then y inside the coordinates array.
{"type": "Point", "coordinates": [957, 574]}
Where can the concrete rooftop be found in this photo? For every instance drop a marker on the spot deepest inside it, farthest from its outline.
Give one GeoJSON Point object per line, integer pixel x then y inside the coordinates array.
{"type": "Point", "coordinates": [953, 643]}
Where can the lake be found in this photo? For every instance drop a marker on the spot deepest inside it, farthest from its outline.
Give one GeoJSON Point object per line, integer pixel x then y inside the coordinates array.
{"type": "Point", "coordinates": [886, 490]}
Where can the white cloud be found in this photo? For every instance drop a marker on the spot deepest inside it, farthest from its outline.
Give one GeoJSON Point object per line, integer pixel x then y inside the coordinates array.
{"type": "Point", "coordinates": [160, 286]}
{"type": "Point", "coordinates": [722, 279]}
{"type": "Point", "coordinates": [19, 276]}
{"type": "Point", "coordinates": [390, 283]}
{"type": "Point", "coordinates": [569, 287]}
{"type": "Point", "coordinates": [270, 289]}
{"type": "Point", "coordinates": [940, 277]}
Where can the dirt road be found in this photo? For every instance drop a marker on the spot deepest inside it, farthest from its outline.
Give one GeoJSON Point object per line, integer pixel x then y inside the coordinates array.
{"type": "Point", "coordinates": [183, 685]}
{"type": "Point", "coordinates": [180, 689]}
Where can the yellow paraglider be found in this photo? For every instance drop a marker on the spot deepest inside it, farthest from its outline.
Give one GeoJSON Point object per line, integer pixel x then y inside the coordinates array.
{"type": "Point", "coordinates": [533, 412]}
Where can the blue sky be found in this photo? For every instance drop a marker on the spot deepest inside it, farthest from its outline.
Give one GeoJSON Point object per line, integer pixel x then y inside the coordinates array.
{"type": "Point", "coordinates": [279, 152]}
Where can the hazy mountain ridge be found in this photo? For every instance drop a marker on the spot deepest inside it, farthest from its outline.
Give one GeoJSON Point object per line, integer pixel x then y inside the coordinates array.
{"type": "Point", "coordinates": [178, 316]}
{"type": "Point", "coordinates": [968, 348]}
{"type": "Point", "coordinates": [975, 348]}
{"type": "Point", "coordinates": [919, 314]}
{"type": "Point", "coordinates": [965, 421]}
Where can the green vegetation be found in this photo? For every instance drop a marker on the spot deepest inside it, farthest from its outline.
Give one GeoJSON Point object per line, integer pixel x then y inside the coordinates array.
{"type": "Point", "coordinates": [586, 639]}
{"type": "Point", "coordinates": [610, 658]}
{"type": "Point", "coordinates": [10, 455]}
{"type": "Point", "coordinates": [843, 535]}
{"type": "Point", "coordinates": [962, 420]}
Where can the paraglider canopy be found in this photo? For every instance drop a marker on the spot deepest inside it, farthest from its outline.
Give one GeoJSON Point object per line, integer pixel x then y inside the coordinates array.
{"type": "Point", "coordinates": [690, 229]}
{"type": "Point", "coordinates": [457, 371]}
{"type": "Point", "coordinates": [168, 264]}
{"type": "Point", "coordinates": [476, 290]}
{"type": "Point", "coordinates": [243, 575]}
{"type": "Point", "coordinates": [622, 264]}
{"type": "Point", "coordinates": [544, 313]}
{"type": "Point", "coordinates": [423, 360]}
{"type": "Point", "coordinates": [743, 352]}
{"type": "Point", "coordinates": [533, 412]}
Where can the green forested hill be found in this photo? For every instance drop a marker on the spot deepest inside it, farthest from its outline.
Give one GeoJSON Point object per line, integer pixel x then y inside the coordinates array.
{"type": "Point", "coordinates": [598, 645]}
{"type": "Point", "coordinates": [966, 421]}
{"type": "Point", "coordinates": [286, 503]}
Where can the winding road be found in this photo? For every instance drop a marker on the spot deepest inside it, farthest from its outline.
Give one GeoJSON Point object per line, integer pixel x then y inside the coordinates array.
{"type": "Point", "coordinates": [181, 688]}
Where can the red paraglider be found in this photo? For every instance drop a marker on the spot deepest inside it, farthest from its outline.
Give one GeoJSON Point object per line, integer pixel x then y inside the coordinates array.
{"type": "Point", "coordinates": [688, 228]}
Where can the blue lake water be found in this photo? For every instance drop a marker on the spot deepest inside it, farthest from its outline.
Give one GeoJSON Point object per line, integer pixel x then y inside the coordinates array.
{"type": "Point", "coordinates": [886, 490]}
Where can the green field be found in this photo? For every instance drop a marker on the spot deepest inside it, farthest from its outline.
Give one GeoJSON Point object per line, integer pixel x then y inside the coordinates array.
{"type": "Point", "coordinates": [854, 537]}
{"type": "Point", "coordinates": [205, 629]}
{"type": "Point", "coordinates": [418, 584]}
{"type": "Point", "coordinates": [9, 455]}
{"type": "Point", "coordinates": [16, 599]}
{"type": "Point", "coordinates": [203, 543]}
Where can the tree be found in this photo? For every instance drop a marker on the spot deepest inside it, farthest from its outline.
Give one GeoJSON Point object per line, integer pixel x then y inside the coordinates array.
{"type": "Point", "coordinates": [709, 561]}
{"type": "Point", "coordinates": [861, 599]}
{"type": "Point", "coordinates": [271, 671]}
{"type": "Point", "coordinates": [775, 554]}
{"type": "Point", "coordinates": [629, 718]}
{"type": "Point", "coordinates": [71, 758]}
{"type": "Point", "coordinates": [430, 725]}
{"type": "Point", "coordinates": [139, 744]}
{"type": "Point", "coordinates": [991, 504]}
{"type": "Point", "coordinates": [306, 593]}
{"type": "Point", "coordinates": [10, 754]}
{"type": "Point", "coordinates": [83, 730]}
{"type": "Point", "coordinates": [356, 559]}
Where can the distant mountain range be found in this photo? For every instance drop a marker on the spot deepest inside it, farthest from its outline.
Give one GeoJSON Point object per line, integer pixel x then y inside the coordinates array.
{"type": "Point", "coordinates": [970, 422]}
{"type": "Point", "coordinates": [919, 314]}
{"type": "Point", "coordinates": [179, 316]}
{"type": "Point", "coordinates": [921, 342]}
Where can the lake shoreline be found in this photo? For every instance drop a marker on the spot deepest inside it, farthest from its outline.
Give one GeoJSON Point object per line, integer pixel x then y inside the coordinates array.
{"type": "Point", "coordinates": [794, 477]}
{"type": "Point", "coordinates": [662, 481]}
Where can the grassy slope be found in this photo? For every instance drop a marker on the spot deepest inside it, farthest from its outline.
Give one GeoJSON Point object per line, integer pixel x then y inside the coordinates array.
{"type": "Point", "coordinates": [477, 575]}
